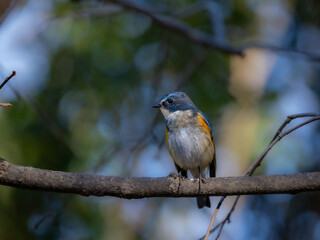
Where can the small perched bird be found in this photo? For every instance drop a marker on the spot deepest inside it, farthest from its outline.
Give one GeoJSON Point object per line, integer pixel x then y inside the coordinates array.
{"type": "Point", "coordinates": [189, 138]}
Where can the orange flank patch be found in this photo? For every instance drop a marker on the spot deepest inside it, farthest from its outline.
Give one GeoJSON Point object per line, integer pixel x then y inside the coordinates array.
{"type": "Point", "coordinates": [202, 123]}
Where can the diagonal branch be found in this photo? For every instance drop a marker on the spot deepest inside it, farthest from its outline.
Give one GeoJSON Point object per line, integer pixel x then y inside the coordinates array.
{"type": "Point", "coordinates": [277, 137]}
{"type": "Point", "coordinates": [180, 28]}
{"type": "Point", "coordinates": [215, 12]}
{"type": "Point", "coordinates": [134, 187]}
{"type": "Point", "coordinates": [205, 39]}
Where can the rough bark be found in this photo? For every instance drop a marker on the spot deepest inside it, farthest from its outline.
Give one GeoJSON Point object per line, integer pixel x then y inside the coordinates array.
{"type": "Point", "coordinates": [141, 187]}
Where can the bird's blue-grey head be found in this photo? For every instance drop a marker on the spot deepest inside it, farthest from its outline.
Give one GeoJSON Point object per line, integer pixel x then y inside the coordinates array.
{"type": "Point", "coordinates": [176, 101]}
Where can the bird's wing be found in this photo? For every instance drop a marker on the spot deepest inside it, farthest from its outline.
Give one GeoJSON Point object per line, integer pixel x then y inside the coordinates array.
{"type": "Point", "coordinates": [208, 128]}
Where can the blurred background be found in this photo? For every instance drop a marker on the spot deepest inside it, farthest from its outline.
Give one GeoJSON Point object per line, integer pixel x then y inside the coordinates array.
{"type": "Point", "coordinates": [87, 75]}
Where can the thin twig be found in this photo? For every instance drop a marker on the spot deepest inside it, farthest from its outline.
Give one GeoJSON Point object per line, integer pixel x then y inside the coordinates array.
{"type": "Point", "coordinates": [289, 119]}
{"type": "Point", "coordinates": [7, 79]}
{"type": "Point", "coordinates": [42, 219]}
{"type": "Point", "coordinates": [5, 104]}
{"type": "Point", "coordinates": [227, 219]}
{"type": "Point", "coordinates": [214, 217]}
{"type": "Point", "coordinates": [277, 137]}
{"type": "Point", "coordinates": [4, 83]}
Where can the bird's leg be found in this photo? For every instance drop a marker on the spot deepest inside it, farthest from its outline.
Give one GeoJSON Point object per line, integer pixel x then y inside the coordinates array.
{"type": "Point", "coordinates": [173, 175]}
{"type": "Point", "coordinates": [181, 176]}
{"type": "Point", "coordinates": [201, 179]}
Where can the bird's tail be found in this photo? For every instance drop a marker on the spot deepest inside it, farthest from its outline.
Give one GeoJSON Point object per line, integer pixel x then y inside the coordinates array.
{"type": "Point", "coordinates": [203, 202]}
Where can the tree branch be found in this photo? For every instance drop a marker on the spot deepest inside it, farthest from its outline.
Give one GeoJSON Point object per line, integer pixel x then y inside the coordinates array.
{"type": "Point", "coordinates": [179, 27]}
{"type": "Point", "coordinates": [142, 187]}
{"type": "Point", "coordinates": [205, 39]}
{"type": "Point", "coordinates": [277, 137]}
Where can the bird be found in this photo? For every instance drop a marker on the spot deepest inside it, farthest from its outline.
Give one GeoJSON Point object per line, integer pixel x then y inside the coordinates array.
{"type": "Point", "coordinates": [189, 138]}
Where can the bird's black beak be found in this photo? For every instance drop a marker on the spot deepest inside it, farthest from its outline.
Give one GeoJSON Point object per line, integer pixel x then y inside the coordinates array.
{"type": "Point", "coordinates": [156, 106]}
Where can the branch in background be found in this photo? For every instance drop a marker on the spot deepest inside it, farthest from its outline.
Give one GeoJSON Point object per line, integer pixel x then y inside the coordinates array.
{"type": "Point", "coordinates": [218, 41]}
{"type": "Point", "coordinates": [4, 83]}
{"type": "Point", "coordinates": [215, 13]}
{"type": "Point", "coordinates": [205, 39]}
{"type": "Point", "coordinates": [47, 121]}
{"type": "Point", "coordinates": [190, 69]}
{"type": "Point", "coordinates": [277, 137]}
{"type": "Point", "coordinates": [271, 48]}
{"type": "Point", "coordinates": [6, 8]}
{"type": "Point", "coordinates": [179, 27]}
{"type": "Point", "coordinates": [133, 187]}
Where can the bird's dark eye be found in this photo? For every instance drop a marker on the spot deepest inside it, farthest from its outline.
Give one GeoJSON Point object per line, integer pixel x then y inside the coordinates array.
{"type": "Point", "coordinates": [170, 100]}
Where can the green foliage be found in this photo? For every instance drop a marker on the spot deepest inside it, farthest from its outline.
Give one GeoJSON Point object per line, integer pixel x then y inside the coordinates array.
{"type": "Point", "coordinates": [93, 114]}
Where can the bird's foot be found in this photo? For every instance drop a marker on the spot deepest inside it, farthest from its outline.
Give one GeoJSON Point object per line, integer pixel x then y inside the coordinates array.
{"type": "Point", "coordinates": [179, 175]}
{"type": "Point", "coordinates": [173, 175]}
{"type": "Point", "coordinates": [203, 180]}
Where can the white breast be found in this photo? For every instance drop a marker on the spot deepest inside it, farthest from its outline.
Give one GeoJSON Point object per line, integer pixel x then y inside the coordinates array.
{"type": "Point", "coordinates": [190, 148]}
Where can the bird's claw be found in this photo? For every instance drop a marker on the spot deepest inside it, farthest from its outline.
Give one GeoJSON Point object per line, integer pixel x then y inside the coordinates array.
{"type": "Point", "coordinates": [181, 177]}
{"type": "Point", "coordinates": [199, 179]}
{"type": "Point", "coordinates": [173, 175]}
